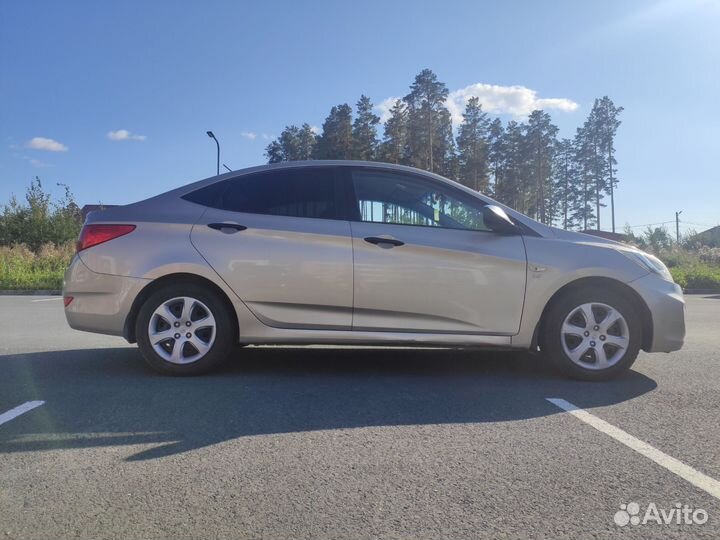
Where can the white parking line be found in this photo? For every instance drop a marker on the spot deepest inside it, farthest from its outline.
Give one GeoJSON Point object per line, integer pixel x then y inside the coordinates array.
{"type": "Point", "coordinates": [48, 299]}
{"type": "Point", "coordinates": [20, 409]}
{"type": "Point", "coordinates": [695, 477]}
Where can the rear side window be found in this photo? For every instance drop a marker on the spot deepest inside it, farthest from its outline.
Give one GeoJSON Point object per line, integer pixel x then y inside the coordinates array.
{"type": "Point", "coordinates": [306, 192]}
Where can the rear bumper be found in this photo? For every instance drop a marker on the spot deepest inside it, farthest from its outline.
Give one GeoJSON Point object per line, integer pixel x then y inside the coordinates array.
{"type": "Point", "coordinates": [101, 302]}
{"type": "Point", "coordinates": [667, 309]}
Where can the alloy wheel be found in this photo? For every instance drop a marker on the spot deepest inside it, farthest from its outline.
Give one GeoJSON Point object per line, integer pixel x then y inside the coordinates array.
{"type": "Point", "coordinates": [182, 330]}
{"type": "Point", "coordinates": [595, 336]}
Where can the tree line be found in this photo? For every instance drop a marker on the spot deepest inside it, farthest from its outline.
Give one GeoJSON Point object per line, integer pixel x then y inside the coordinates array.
{"type": "Point", "coordinates": [521, 164]}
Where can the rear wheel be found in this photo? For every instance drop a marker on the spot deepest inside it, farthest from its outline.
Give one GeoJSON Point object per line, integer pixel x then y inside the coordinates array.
{"type": "Point", "coordinates": [592, 334]}
{"type": "Point", "coordinates": [184, 329]}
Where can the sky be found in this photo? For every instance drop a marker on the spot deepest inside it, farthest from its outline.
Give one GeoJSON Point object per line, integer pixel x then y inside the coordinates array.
{"type": "Point", "coordinates": [114, 98]}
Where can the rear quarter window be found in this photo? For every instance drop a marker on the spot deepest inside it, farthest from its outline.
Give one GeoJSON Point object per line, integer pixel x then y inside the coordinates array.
{"type": "Point", "coordinates": [211, 195]}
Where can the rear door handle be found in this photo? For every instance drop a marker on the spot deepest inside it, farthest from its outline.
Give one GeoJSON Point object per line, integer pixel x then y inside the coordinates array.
{"type": "Point", "coordinates": [225, 226]}
{"type": "Point", "coordinates": [378, 240]}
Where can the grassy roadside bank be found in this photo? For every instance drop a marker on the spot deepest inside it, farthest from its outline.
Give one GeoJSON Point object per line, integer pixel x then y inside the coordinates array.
{"type": "Point", "coordinates": [693, 268]}
{"type": "Point", "coordinates": [22, 268]}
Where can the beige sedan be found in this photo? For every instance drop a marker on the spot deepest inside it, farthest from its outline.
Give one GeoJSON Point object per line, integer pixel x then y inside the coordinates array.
{"type": "Point", "coordinates": [343, 252]}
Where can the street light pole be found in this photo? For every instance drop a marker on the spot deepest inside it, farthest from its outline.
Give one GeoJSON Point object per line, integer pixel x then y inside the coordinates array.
{"type": "Point", "coordinates": [677, 226]}
{"type": "Point", "coordinates": [212, 136]}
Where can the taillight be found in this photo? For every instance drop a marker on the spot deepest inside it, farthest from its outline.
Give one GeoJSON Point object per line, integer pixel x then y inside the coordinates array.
{"type": "Point", "coordinates": [92, 235]}
{"type": "Point", "coordinates": [67, 300]}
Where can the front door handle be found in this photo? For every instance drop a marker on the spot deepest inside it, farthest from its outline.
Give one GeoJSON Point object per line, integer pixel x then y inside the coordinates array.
{"type": "Point", "coordinates": [234, 227]}
{"type": "Point", "coordinates": [379, 240]}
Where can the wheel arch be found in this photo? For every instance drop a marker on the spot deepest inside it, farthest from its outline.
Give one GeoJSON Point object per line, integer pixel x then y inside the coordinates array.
{"type": "Point", "coordinates": [175, 278]}
{"type": "Point", "coordinates": [602, 282]}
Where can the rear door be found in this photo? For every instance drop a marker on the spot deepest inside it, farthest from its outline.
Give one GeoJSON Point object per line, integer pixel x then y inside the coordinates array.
{"type": "Point", "coordinates": [276, 240]}
{"type": "Point", "coordinates": [425, 262]}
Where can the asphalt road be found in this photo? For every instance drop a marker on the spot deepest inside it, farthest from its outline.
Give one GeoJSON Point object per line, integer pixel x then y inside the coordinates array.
{"type": "Point", "coordinates": [344, 443]}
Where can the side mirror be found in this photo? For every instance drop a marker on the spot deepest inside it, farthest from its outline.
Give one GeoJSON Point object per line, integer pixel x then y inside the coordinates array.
{"type": "Point", "coordinates": [498, 221]}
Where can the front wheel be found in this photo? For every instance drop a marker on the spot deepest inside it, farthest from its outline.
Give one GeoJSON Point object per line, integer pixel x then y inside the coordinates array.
{"type": "Point", "coordinates": [591, 334]}
{"type": "Point", "coordinates": [184, 329]}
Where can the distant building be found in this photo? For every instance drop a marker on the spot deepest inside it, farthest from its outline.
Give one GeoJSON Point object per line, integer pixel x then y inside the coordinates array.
{"type": "Point", "coordinates": [711, 237]}
{"type": "Point", "coordinates": [85, 210]}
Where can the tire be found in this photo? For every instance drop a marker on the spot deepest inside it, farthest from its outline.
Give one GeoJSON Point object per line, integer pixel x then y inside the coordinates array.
{"type": "Point", "coordinates": [596, 350]}
{"type": "Point", "coordinates": [201, 320]}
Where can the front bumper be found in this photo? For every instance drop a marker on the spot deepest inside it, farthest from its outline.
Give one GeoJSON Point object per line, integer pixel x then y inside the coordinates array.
{"type": "Point", "coordinates": [665, 301]}
{"type": "Point", "coordinates": [101, 302]}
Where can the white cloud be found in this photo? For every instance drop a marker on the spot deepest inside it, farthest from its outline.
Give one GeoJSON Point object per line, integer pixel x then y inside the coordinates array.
{"type": "Point", "coordinates": [267, 136]}
{"type": "Point", "coordinates": [383, 108]}
{"type": "Point", "coordinates": [43, 143]}
{"type": "Point", "coordinates": [315, 129]}
{"type": "Point", "coordinates": [517, 101]}
{"type": "Point", "coordinates": [249, 135]}
{"type": "Point", "coordinates": [124, 135]}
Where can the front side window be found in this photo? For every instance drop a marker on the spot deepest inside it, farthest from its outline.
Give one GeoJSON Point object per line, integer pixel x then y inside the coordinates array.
{"type": "Point", "coordinates": [399, 199]}
{"type": "Point", "coordinates": [306, 192]}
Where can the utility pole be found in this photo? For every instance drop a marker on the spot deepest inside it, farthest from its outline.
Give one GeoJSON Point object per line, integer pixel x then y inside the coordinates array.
{"type": "Point", "coordinates": [677, 226]}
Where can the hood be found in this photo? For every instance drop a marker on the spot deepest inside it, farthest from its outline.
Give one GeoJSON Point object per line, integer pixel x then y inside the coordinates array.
{"type": "Point", "coordinates": [578, 237]}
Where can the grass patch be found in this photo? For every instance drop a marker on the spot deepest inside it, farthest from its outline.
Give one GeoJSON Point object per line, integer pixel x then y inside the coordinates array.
{"type": "Point", "coordinates": [699, 276]}
{"type": "Point", "coordinates": [693, 268]}
{"type": "Point", "coordinates": [22, 268]}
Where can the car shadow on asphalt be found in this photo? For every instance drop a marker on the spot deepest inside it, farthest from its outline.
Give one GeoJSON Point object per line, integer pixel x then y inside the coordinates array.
{"type": "Point", "coordinates": [108, 397]}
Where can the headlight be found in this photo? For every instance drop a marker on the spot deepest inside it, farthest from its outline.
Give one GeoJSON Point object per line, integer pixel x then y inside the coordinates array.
{"type": "Point", "coordinates": [650, 262]}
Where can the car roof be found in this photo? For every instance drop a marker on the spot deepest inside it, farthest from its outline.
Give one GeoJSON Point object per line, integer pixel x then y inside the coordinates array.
{"type": "Point", "coordinates": [325, 163]}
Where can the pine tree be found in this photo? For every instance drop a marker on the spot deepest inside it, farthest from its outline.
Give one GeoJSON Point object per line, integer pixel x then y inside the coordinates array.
{"type": "Point", "coordinates": [293, 144]}
{"type": "Point", "coordinates": [565, 182]}
{"type": "Point", "coordinates": [496, 153]}
{"type": "Point", "coordinates": [514, 188]}
{"type": "Point", "coordinates": [540, 144]}
{"type": "Point", "coordinates": [608, 122]}
{"type": "Point", "coordinates": [394, 147]}
{"type": "Point", "coordinates": [583, 212]}
{"type": "Point", "coordinates": [430, 140]}
{"type": "Point", "coordinates": [307, 141]}
{"type": "Point", "coordinates": [450, 163]}
{"type": "Point", "coordinates": [336, 141]}
{"type": "Point", "coordinates": [274, 151]}
{"type": "Point", "coordinates": [364, 131]}
{"type": "Point", "coordinates": [472, 145]}
{"type": "Point", "coordinates": [596, 161]}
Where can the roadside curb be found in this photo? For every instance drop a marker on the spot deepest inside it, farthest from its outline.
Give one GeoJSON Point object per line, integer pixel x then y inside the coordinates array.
{"type": "Point", "coordinates": [30, 292]}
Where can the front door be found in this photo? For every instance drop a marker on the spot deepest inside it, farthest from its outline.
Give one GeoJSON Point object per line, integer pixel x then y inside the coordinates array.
{"type": "Point", "coordinates": [425, 262]}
